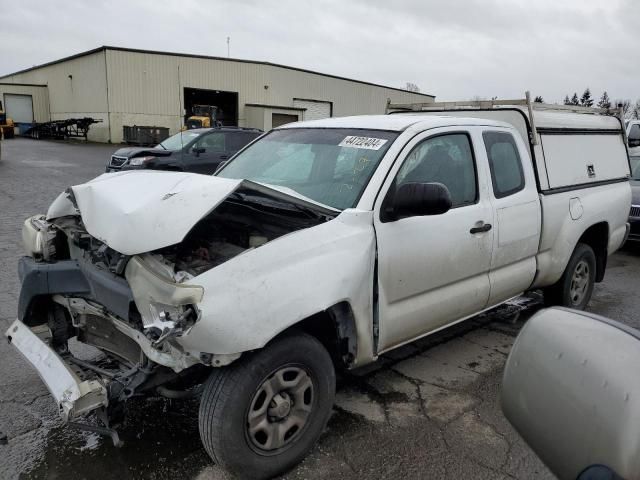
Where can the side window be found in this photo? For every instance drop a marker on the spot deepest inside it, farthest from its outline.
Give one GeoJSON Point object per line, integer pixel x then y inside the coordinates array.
{"type": "Point", "coordinates": [447, 159]}
{"type": "Point", "coordinates": [214, 142]}
{"type": "Point", "coordinates": [237, 140]}
{"type": "Point", "coordinates": [507, 176]}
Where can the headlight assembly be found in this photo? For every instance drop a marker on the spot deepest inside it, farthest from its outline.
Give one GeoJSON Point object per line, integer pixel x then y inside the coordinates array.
{"type": "Point", "coordinates": [136, 161]}
{"type": "Point", "coordinates": [37, 238]}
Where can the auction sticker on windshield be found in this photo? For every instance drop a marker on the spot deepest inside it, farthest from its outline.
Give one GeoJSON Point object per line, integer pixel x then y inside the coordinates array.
{"type": "Point", "coordinates": [368, 143]}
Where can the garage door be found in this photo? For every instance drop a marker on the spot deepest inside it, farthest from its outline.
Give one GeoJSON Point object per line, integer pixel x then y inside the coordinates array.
{"type": "Point", "coordinates": [278, 119]}
{"type": "Point", "coordinates": [315, 110]}
{"type": "Point", "coordinates": [19, 107]}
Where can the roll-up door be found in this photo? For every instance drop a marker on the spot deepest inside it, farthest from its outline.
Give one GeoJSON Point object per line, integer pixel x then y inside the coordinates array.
{"type": "Point", "coordinates": [19, 107]}
{"type": "Point", "coordinates": [315, 110]}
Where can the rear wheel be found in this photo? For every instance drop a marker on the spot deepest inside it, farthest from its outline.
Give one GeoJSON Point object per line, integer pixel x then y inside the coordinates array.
{"type": "Point", "coordinates": [261, 416]}
{"type": "Point", "coordinates": [575, 287]}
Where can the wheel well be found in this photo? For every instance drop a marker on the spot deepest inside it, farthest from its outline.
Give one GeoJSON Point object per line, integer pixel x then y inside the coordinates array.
{"type": "Point", "coordinates": [37, 311]}
{"type": "Point", "coordinates": [597, 237]}
{"type": "Point", "coordinates": [335, 328]}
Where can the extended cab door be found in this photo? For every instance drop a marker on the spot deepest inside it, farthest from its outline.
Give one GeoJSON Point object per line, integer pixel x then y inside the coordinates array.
{"type": "Point", "coordinates": [517, 227]}
{"type": "Point", "coordinates": [434, 270]}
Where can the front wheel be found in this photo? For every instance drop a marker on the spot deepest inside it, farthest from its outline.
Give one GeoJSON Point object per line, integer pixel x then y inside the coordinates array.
{"type": "Point", "coordinates": [575, 287]}
{"type": "Point", "coordinates": [261, 416]}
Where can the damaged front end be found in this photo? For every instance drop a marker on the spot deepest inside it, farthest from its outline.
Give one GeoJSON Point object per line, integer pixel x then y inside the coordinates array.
{"type": "Point", "coordinates": [135, 301]}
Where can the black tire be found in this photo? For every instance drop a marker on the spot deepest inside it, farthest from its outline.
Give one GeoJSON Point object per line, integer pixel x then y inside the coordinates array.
{"type": "Point", "coordinates": [233, 393]}
{"type": "Point", "coordinates": [566, 291]}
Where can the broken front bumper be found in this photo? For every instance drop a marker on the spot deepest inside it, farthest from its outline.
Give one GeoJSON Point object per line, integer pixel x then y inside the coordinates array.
{"type": "Point", "coordinates": [74, 396]}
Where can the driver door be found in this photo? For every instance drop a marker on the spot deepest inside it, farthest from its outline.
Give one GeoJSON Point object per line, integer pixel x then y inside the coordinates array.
{"type": "Point", "coordinates": [434, 270]}
{"type": "Point", "coordinates": [207, 153]}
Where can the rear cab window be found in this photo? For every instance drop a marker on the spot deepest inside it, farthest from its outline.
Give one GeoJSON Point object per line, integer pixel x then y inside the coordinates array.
{"type": "Point", "coordinates": [505, 164]}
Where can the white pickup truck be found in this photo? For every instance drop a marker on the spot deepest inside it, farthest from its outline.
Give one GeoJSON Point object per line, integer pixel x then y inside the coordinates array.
{"type": "Point", "coordinates": [319, 246]}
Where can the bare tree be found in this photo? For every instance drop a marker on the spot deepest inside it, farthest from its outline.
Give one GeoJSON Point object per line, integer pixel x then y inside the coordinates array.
{"type": "Point", "coordinates": [636, 110]}
{"type": "Point", "coordinates": [626, 107]}
{"type": "Point", "coordinates": [412, 87]}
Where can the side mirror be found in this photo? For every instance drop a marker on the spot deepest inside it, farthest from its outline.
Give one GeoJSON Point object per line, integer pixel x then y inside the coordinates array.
{"type": "Point", "coordinates": [198, 150]}
{"type": "Point", "coordinates": [572, 391]}
{"type": "Point", "coordinates": [419, 199]}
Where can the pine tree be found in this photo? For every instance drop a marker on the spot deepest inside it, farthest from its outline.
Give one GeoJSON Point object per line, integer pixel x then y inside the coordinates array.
{"type": "Point", "coordinates": [567, 101]}
{"type": "Point", "coordinates": [538, 99]}
{"type": "Point", "coordinates": [604, 101]}
{"type": "Point", "coordinates": [575, 100]}
{"type": "Point", "coordinates": [586, 100]}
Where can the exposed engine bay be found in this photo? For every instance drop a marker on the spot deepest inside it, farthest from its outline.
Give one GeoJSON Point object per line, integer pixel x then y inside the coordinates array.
{"type": "Point", "coordinates": [244, 221]}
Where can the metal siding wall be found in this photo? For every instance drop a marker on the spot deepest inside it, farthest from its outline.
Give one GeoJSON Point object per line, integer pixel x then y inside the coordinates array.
{"type": "Point", "coordinates": [39, 95]}
{"type": "Point", "coordinates": [143, 90]}
{"type": "Point", "coordinates": [83, 95]}
{"type": "Point", "coordinates": [147, 89]}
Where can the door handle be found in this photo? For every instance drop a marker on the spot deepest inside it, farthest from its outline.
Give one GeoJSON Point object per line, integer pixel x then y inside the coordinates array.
{"type": "Point", "coordinates": [483, 228]}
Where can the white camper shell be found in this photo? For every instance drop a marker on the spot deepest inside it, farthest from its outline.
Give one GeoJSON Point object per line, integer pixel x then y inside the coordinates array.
{"type": "Point", "coordinates": [561, 158]}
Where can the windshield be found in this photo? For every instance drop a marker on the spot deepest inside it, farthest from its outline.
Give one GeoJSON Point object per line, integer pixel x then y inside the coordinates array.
{"type": "Point", "coordinates": [635, 167]}
{"type": "Point", "coordinates": [329, 165]}
{"type": "Point", "coordinates": [179, 140]}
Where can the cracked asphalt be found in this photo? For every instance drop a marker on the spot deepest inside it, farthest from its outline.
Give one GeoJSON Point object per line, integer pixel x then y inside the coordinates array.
{"type": "Point", "coordinates": [427, 410]}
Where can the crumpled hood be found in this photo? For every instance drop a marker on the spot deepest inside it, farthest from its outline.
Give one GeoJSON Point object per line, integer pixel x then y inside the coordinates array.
{"type": "Point", "coordinates": [131, 152]}
{"type": "Point", "coordinates": [135, 212]}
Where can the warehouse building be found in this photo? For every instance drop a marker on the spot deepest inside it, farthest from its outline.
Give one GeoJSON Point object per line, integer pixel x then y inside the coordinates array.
{"type": "Point", "coordinates": [127, 87]}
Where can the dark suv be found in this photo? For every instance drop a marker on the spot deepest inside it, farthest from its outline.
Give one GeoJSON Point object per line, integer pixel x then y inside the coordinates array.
{"type": "Point", "coordinates": [201, 150]}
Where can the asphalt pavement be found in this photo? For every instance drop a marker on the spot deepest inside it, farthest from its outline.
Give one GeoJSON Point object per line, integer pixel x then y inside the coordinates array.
{"type": "Point", "coordinates": [428, 410]}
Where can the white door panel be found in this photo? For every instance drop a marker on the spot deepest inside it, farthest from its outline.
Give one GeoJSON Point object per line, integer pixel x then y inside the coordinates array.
{"type": "Point", "coordinates": [432, 271]}
{"type": "Point", "coordinates": [518, 220]}
{"type": "Point", "coordinates": [510, 280]}
{"type": "Point", "coordinates": [518, 223]}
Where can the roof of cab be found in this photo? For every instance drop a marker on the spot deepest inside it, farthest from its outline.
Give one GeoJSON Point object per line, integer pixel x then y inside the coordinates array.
{"type": "Point", "coordinates": [396, 122]}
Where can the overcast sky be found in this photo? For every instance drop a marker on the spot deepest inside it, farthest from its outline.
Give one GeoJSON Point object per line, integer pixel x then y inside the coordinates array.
{"type": "Point", "coordinates": [454, 49]}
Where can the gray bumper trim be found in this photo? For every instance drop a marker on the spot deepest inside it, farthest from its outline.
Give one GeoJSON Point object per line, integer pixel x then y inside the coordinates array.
{"type": "Point", "coordinates": [72, 277]}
